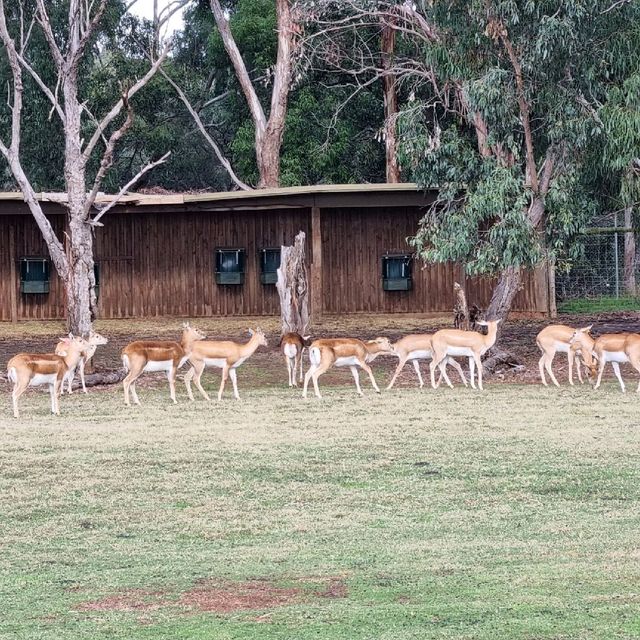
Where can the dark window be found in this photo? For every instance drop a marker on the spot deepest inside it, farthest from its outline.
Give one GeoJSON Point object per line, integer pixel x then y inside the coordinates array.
{"type": "Point", "coordinates": [269, 263]}
{"type": "Point", "coordinates": [396, 273]}
{"type": "Point", "coordinates": [230, 266]}
{"type": "Point", "coordinates": [96, 275]}
{"type": "Point", "coordinates": [34, 275]}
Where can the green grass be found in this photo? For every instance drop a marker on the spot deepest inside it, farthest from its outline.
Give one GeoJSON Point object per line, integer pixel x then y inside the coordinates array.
{"type": "Point", "coordinates": [600, 305]}
{"type": "Point", "coordinates": [447, 514]}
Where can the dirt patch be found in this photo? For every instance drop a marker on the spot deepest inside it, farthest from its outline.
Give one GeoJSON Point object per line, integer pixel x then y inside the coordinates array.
{"type": "Point", "coordinates": [131, 600]}
{"type": "Point", "coordinates": [219, 596]}
{"type": "Point", "coordinates": [222, 597]}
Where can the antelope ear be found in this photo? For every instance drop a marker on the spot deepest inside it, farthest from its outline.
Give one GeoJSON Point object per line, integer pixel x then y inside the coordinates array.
{"type": "Point", "coordinates": [587, 329]}
{"type": "Point", "coordinates": [306, 337]}
{"type": "Point", "coordinates": [70, 335]}
{"type": "Point", "coordinates": [251, 332]}
{"type": "Point", "coordinates": [185, 325]}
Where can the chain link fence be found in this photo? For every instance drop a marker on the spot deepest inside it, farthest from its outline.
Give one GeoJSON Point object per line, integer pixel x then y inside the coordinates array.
{"type": "Point", "coordinates": [608, 267]}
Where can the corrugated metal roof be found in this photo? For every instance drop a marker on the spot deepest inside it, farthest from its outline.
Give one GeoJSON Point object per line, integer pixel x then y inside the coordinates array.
{"type": "Point", "coordinates": [141, 199]}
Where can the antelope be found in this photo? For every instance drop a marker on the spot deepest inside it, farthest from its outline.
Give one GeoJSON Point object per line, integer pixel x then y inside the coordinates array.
{"type": "Point", "coordinates": [224, 354]}
{"type": "Point", "coordinates": [632, 350]}
{"type": "Point", "coordinates": [454, 342]}
{"type": "Point", "coordinates": [292, 346]}
{"type": "Point", "coordinates": [609, 347]}
{"type": "Point", "coordinates": [94, 341]}
{"type": "Point", "coordinates": [560, 338]}
{"type": "Point", "coordinates": [418, 347]}
{"type": "Point", "coordinates": [157, 355]}
{"type": "Point", "coordinates": [344, 352]}
{"type": "Point", "coordinates": [35, 369]}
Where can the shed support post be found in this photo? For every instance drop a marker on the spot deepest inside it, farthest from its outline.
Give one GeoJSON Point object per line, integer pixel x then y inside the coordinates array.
{"type": "Point", "coordinates": [316, 264]}
{"type": "Point", "coordinates": [13, 279]}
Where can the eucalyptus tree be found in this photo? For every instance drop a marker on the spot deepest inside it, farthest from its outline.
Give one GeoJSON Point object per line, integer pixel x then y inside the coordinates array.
{"type": "Point", "coordinates": [501, 118]}
{"type": "Point", "coordinates": [71, 30]}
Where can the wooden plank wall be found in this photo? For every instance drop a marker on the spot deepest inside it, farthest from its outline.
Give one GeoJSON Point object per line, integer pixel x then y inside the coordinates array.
{"type": "Point", "coordinates": [354, 241]}
{"type": "Point", "coordinates": [162, 264]}
{"type": "Point", "coordinates": [28, 242]}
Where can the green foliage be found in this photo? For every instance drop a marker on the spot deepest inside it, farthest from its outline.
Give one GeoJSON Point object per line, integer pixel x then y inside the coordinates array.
{"type": "Point", "coordinates": [583, 105]}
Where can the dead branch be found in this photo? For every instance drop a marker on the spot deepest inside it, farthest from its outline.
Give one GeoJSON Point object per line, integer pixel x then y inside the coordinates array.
{"type": "Point", "coordinates": [123, 191]}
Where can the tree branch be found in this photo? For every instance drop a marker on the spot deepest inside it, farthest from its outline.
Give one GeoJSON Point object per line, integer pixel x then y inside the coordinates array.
{"type": "Point", "coordinates": [257, 112]}
{"type": "Point", "coordinates": [96, 221]}
{"type": "Point", "coordinates": [223, 161]}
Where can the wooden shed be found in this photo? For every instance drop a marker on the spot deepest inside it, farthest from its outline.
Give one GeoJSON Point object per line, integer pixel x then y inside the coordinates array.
{"type": "Point", "coordinates": [214, 254]}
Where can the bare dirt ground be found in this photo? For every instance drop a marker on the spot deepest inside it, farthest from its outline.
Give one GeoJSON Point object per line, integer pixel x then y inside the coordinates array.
{"type": "Point", "coordinates": [266, 367]}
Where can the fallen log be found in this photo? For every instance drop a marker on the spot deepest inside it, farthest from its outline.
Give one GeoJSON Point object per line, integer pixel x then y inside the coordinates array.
{"type": "Point", "coordinates": [111, 376]}
{"type": "Point", "coordinates": [499, 359]}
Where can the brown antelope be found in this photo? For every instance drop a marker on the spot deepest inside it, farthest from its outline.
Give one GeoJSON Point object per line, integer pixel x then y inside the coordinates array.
{"type": "Point", "coordinates": [418, 347]}
{"type": "Point", "coordinates": [224, 354]}
{"type": "Point", "coordinates": [292, 345]}
{"type": "Point", "coordinates": [560, 338]}
{"type": "Point", "coordinates": [35, 369]}
{"type": "Point", "coordinates": [632, 350]}
{"type": "Point", "coordinates": [454, 342]}
{"type": "Point", "coordinates": [157, 355]}
{"type": "Point", "coordinates": [609, 347]}
{"type": "Point", "coordinates": [344, 352]}
{"type": "Point", "coordinates": [94, 341]}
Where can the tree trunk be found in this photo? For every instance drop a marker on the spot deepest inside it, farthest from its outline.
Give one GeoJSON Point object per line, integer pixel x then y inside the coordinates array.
{"type": "Point", "coordinates": [293, 288]}
{"type": "Point", "coordinates": [504, 292]}
{"type": "Point", "coordinates": [629, 254]}
{"type": "Point", "coordinates": [80, 282]}
{"type": "Point", "coordinates": [460, 308]}
{"type": "Point", "coordinates": [390, 105]}
{"type": "Point", "coordinates": [268, 156]}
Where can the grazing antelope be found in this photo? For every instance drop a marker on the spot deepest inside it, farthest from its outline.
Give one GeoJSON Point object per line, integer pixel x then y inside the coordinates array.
{"type": "Point", "coordinates": [225, 354]}
{"type": "Point", "coordinates": [292, 346]}
{"type": "Point", "coordinates": [35, 369]}
{"type": "Point", "coordinates": [418, 347]}
{"type": "Point", "coordinates": [454, 342]}
{"type": "Point", "coordinates": [560, 338]}
{"type": "Point", "coordinates": [157, 355]}
{"type": "Point", "coordinates": [94, 341]}
{"type": "Point", "coordinates": [344, 352]}
{"type": "Point", "coordinates": [609, 347]}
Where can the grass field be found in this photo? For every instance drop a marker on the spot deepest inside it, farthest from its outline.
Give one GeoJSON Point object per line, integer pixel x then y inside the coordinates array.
{"type": "Point", "coordinates": [414, 514]}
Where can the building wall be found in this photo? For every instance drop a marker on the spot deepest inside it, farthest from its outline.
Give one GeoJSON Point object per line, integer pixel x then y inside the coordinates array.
{"type": "Point", "coordinates": [162, 264]}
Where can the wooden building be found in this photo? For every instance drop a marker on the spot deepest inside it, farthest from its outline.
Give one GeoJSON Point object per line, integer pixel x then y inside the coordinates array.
{"type": "Point", "coordinates": [214, 254]}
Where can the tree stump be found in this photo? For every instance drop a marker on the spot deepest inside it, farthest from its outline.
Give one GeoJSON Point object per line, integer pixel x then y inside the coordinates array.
{"type": "Point", "coordinates": [460, 308]}
{"type": "Point", "coordinates": [293, 288]}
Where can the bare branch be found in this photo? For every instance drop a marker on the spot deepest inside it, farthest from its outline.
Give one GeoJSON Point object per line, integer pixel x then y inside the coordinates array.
{"type": "Point", "coordinates": [43, 20]}
{"type": "Point", "coordinates": [117, 108]}
{"type": "Point", "coordinates": [107, 158]}
{"type": "Point", "coordinates": [96, 221]}
{"type": "Point", "coordinates": [237, 61]}
{"type": "Point", "coordinates": [194, 114]}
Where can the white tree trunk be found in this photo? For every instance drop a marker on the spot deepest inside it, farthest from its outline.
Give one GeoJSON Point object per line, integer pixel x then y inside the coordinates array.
{"type": "Point", "coordinates": [293, 288]}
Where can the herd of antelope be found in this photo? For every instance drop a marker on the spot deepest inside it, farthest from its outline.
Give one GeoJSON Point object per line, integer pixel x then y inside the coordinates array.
{"type": "Point", "coordinates": [72, 354]}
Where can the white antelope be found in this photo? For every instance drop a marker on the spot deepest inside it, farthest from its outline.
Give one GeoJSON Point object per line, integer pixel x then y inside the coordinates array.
{"type": "Point", "coordinates": [292, 345]}
{"type": "Point", "coordinates": [224, 354]}
{"type": "Point", "coordinates": [560, 338]}
{"type": "Point", "coordinates": [609, 347]}
{"type": "Point", "coordinates": [344, 352]}
{"type": "Point", "coordinates": [35, 369]}
{"type": "Point", "coordinates": [94, 341]}
{"type": "Point", "coordinates": [157, 355]}
{"type": "Point", "coordinates": [416, 347]}
{"type": "Point", "coordinates": [454, 342]}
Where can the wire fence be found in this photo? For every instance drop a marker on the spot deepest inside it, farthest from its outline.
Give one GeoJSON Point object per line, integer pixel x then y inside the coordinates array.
{"type": "Point", "coordinates": [606, 269]}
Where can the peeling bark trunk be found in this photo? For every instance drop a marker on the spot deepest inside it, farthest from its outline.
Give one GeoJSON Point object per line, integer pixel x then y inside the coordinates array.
{"type": "Point", "coordinates": [504, 292]}
{"type": "Point", "coordinates": [293, 288]}
{"type": "Point", "coordinates": [629, 254]}
{"type": "Point", "coordinates": [390, 105]}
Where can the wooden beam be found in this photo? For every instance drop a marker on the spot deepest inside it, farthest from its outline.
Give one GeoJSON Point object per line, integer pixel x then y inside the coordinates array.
{"type": "Point", "coordinates": [316, 264]}
{"type": "Point", "coordinates": [13, 280]}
